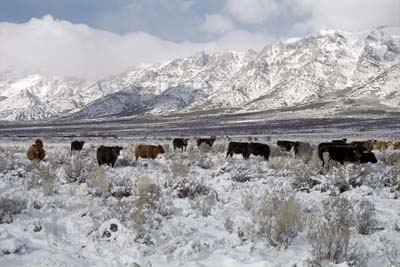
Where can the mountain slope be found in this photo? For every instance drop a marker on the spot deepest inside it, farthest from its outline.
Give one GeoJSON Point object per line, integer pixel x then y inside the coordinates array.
{"type": "Point", "coordinates": [35, 96]}
{"type": "Point", "coordinates": [331, 67]}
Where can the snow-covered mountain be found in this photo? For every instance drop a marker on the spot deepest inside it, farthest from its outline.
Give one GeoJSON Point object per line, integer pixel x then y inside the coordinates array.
{"type": "Point", "coordinates": [344, 70]}
{"type": "Point", "coordinates": [35, 96]}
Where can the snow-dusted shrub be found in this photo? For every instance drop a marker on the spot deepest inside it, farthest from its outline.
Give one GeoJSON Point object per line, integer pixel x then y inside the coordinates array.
{"type": "Point", "coordinates": [62, 157]}
{"type": "Point", "coordinates": [303, 179]}
{"type": "Point", "coordinates": [179, 168]}
{"type": "Point", "coordinates": [390, 158]}
{"type": "Point", "coordinates": [343, 178]}
{"type": "Point", "coordinates": [392, 251]}
{"type": "Point", "coordinates": [98, 181]}
{"type": "Point", "coordinates": [10, 207]}
{"type": "Point", "coordinates": [147, 193]}
{"type": "Point", "coordinates": [241, 174]}
{"type": "Point", "coordinates": [364, 216]}
{"type": "Point", "coordinates": [205, 162]}
{"type": "Point", "coordinates": [228, 224]}
{"type": "Point", "coordinates": [279, 220]}
{"type": "Point", "coordinates": [8, 159]}
{"type": "Point", "coordinates": [204, 203]}
{"type": "Point", "coordinates": [204, 148]}
{"type": "Point", "coordinates": [219, 148]}
{"type": "Point", "coordinates": [337, 210]}
{"type": "Point", "coordinates": [41, 176]}
{"type": "Point", "coordinates": [191, 188]}
{"type": "Point", "coordinates": [391, 178]}
{"type": "Point", "coordinates": [11, 245]}
{"type": "Point", "coordinates": [79, 167]}
{"type": "Point", "coordinates": [330, 243]}
{"type": "Point", "coordinates": [277, 163]}
{"type": "Point", "coordinates": [148, 204]}
{"type": "Point", "coordinates": [248, 200]}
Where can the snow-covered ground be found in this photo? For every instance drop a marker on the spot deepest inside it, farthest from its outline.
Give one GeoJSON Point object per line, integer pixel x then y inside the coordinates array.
{"type": "Point", "coordinates": [194, 208]}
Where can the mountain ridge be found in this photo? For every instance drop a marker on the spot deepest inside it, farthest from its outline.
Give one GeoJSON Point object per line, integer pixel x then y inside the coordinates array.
{"type": "Point", "coordinates": [332, 66]}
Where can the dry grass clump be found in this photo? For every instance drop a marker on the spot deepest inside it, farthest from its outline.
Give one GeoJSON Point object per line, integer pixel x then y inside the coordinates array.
{"type": "Point", "coordinates": [10, 207]}
{"type": "Point", "coordinates": [98, 181]}
{"type": "Point", "coordinates": [42, 176]}
{"type": "Point", "coordinates": [278, 219]}
{"type": "Point", "coordinates": [364, 216]}
{"type": "Point", "coordinates": [330, 243]}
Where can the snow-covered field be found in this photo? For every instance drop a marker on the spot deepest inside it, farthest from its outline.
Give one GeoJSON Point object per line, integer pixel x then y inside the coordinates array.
{"type": "Point", "coordinates": [196, 208]}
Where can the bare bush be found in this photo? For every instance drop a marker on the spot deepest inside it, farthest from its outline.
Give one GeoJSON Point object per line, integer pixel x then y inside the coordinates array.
{"type": "Point", "coordinates": [392, 252]}
{"type": "Point", "coordinates": [191, 188]}
{"type": "Point", "coordinates": [277, 163]}
{"type": "Point", "coordinates": [279, 220]}
{"type": "Point", "coordinates": [78, 169]}
{"type": "Point", "coordinates": [147, 203]}
{"type": "Point", "coordinates": [205, 162]}
{"type": "Point", "coordinates": [41, 177]}
{"type": "Point", "coordinates": [179, 169]}
{"type": "Point", "coordinates": [364, 216]}
{"type": "Point", "coordinates": [219, 148]}
{"type": "Point", "coordinates": [10, 207]}
{"type": "Point", "coordinates": [303, 179]}
{"type": "Point", "coordinates": [330, 243]}
{"type": "Point", "coordinates": [204, 148]}
{"type": "Point", "coordinates": [8, 159]}
{"type": "Point", "coordinates": [204, 203]}
{"type": "Point", "coordinates": [147, 193]}
{"type": "Point", "coordinates": [248, 200]}
{"type": "Point", "coordinates": [98, 181]}
{"type": "Point", "coordinates": [338, 211]}
{"type": "Point", "coordinates": [241, 174]}
{"type": "Point", "coordinates": [228, 224]}
{"type": "Point", "coordinates": [390, 158]}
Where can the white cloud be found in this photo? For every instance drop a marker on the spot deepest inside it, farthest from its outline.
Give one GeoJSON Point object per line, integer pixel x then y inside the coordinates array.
{"type": "Point", "coordinates": [61, 48]}
{"type": "Point", "coordinates": [216, 23]}
{"type": "Point", "coordinates": [354, 15]}
{"type": "Point", "coordinates": [252, 11]}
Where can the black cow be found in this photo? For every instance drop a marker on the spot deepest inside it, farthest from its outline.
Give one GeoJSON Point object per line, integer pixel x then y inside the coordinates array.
{"type": "Point", "coordinates": [339, 141]}
{"type": "Point", "coordinates": [238, 148]}
{"type": "Point", "coordinates": [208, 141]}
{"type": "Point", "coordinates": [108, 155]}
{"type": "Point", "coordinates": [324, 147]}
{"type": "Point", "coordinates": [286, 145]}
{"type": "Point", "coordinates": [368, 157]}
{"type": "Point", "coordinates": [180, 143]}
{"type": "Point", "coordinates": [349, 153]}
{"type": "Point", "coordinates": [77, 145]}
{"type": "Point", "coordinates": [259, 149]}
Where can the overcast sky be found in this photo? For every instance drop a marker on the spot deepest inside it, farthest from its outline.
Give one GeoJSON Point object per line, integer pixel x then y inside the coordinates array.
{"type": "Point", "coordinates": [95, 38]}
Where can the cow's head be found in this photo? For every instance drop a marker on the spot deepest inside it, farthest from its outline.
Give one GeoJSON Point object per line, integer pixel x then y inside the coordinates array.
{"type": "Point", "coordinates": [82, 143]}
{"type": "Point", "coordinates": [368, 157]}
{"type": "Point", "coordinates": [39, 142]}
{"type": "Point", "coordinates": [185, 141]}
{"type": "Point", "coordinates": [161, 149]}
{"type": "Point", "coordinates": [116, 150]}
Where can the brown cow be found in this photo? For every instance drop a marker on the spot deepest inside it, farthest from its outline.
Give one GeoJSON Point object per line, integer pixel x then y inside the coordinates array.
{"type": "Point", "coordinates": [148, 151]}
{"type": "Point", "coordinates": [396, 145]}
{"type": "Point", "coordinates": [364, 146]}
{"type": "Point", "coordinates": [382, 145]}
{"type": "Point", "coordinates": [36, 151]}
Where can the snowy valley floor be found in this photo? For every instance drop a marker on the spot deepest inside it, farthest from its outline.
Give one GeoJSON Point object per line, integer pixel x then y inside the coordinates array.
{"type": "Point", "coordinates": [195, 208]}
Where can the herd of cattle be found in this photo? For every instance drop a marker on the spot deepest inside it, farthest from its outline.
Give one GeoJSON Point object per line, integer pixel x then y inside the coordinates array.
{"type": "Point", "coordinates": [338, 150]}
